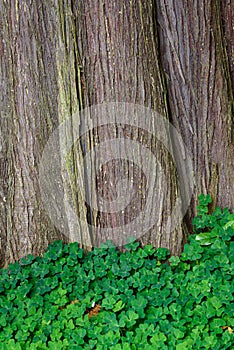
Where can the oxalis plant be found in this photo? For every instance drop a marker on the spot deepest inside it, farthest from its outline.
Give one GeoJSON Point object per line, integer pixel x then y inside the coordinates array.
{"type": "Point", "coordinates": [141, 298]}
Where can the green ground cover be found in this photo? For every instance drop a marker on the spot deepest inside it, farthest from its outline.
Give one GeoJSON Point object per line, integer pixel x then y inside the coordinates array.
{"type": "Point", "coordinates": [142, 298]}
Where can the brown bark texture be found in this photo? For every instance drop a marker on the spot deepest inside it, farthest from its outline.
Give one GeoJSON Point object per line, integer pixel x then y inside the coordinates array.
{"type": "Point", "coordinates": [119, 50]}
{"type": "Point", "coordinates": [59, 57]}
{"type": "Point", "coordinates": [196, 46]}
{"type": "Point", "coordinates": [28, 78]}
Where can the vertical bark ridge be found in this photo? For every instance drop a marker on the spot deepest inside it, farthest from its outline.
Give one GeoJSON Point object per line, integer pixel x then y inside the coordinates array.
{"type": "Point", "coordinates": [28, 40]}
{"type": "Point", "coordinates": [120, 53]}
{"type": "Point", "coordinates": [200, 95]}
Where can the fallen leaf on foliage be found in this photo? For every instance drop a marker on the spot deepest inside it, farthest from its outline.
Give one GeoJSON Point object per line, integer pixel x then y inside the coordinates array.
{"type": "Point", "coordinates": [94, 311]}
{"type": "Point", "coordinates": [230, 330]}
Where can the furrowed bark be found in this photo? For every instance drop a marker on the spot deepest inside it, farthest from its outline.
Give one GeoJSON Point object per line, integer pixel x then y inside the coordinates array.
{"type": "Point", "coordinates": [120, 55]}
{"type": "Point", "coordinates": [28, 116]}
{"type": "Point", "coordinates": [59, 57]}
{"type": "Point", "coordinates": [194, 43]}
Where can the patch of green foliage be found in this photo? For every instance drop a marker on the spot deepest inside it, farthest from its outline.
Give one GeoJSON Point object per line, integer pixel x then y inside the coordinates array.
{"type": "Point", "coordinates": [148, 300]}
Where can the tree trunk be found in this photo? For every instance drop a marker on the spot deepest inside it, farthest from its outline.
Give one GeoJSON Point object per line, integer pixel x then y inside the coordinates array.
{"type": "Point", "coordinates": [29, 89]}
{"type": "Point", "coordinates": [60, 57]}
{"type": "Point", "coordinates": [196, 40]}
{"type": "Point", "coordinates": [121, 63]}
